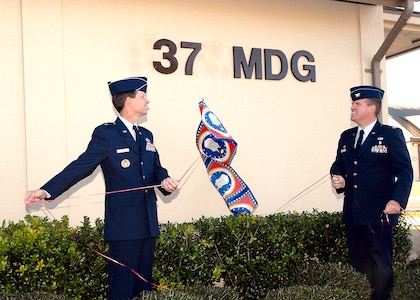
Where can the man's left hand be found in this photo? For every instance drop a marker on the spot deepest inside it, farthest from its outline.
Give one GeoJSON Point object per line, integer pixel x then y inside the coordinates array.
{"type": "Point", "coordinates": [170, 184]}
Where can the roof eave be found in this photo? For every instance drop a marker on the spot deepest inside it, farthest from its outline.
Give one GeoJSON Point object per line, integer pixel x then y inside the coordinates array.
{"type": "Point", "coordinates": [391, 3]}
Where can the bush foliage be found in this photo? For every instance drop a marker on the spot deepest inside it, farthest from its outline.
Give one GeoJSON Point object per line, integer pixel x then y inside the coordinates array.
{"type": "Point", "coordinates": [254, 257]}
{"type": "Point", "coordinates": [39, 255]}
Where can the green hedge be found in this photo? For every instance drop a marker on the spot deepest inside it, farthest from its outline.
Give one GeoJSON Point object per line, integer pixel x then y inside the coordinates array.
{"type": "Point", "coordinates": [252, 255]}
{"type": "Point", "coordinates": [255, 254]}
{"type": "Point", "coordinates": [39, 255]}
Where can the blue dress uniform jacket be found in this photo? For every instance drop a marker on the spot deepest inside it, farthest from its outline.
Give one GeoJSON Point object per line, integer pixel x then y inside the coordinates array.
{"type": "Point", "coordinates": [379, 172]}
{"type": "Point", "coordinates": [125, 164]}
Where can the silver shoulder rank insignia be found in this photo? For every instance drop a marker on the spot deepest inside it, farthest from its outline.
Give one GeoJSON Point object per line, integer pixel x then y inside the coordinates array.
{"type": "Point", "coordinates": [125, 163]}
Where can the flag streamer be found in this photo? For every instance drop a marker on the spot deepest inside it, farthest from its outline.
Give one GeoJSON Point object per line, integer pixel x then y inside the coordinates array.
{"type": "Point", "coordinates": [217, 149]}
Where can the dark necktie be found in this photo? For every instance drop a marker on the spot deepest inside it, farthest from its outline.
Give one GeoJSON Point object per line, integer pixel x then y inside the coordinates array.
{"type": "Point", "coordinates": [136, 130]}
{"type": "Point", "coordinates": [359, 140]}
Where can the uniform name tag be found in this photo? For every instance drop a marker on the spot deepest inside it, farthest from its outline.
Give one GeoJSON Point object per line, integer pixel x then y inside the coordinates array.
{"type": "Point", "coordinates": [123, 150]}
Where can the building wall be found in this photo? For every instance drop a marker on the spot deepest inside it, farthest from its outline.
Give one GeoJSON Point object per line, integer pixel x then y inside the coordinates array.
{"type": "Point", "coordinates": [58, 56]}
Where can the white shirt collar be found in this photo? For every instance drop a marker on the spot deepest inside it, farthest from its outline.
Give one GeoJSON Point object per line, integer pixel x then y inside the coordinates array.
{"type": "Point", "coordinates": [129, 126]}
{"type": "Point", "coordinates": [367, 129]}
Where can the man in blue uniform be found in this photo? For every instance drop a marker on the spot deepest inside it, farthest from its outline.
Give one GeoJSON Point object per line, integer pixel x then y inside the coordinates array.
{"type": "Point", "coordinates": [373, 169]}
{"type": "Point", "coordinates": [129, 160]}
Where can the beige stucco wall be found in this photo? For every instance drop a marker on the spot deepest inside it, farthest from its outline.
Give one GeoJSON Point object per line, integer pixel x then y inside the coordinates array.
{"type": "Point", "coordinates": [58, 56]}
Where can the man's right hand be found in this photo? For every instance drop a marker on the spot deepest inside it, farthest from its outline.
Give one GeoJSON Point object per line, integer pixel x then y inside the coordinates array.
{"type": "Point", "coordinates": [35, 196]}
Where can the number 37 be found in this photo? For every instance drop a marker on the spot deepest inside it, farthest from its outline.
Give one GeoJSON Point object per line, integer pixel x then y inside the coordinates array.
{"type": "Point", "coordinates": [170, 56]}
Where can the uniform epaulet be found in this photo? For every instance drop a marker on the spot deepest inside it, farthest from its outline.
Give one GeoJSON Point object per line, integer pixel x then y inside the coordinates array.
{"type": "Point", "coordinates": [107, 125]}
{"type": "Point", "coordinates": [145, 131]}
{"type": "Point", "coordinates": [389, 126]}
{"type": "Point", "coordinates": [143, 128]}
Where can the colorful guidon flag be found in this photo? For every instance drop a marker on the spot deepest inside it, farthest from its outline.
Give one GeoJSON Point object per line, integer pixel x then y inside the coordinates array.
{"type": "Point", "coordinates": [217, 149]}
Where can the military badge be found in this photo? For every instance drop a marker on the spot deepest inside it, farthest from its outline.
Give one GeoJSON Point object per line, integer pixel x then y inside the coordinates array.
{"type": "Point", "coordinates": [125, 163]}
{"type": "Point", "coordinates": [380, 149]}
{"type": "Point", "coordinates": [150, 146]}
